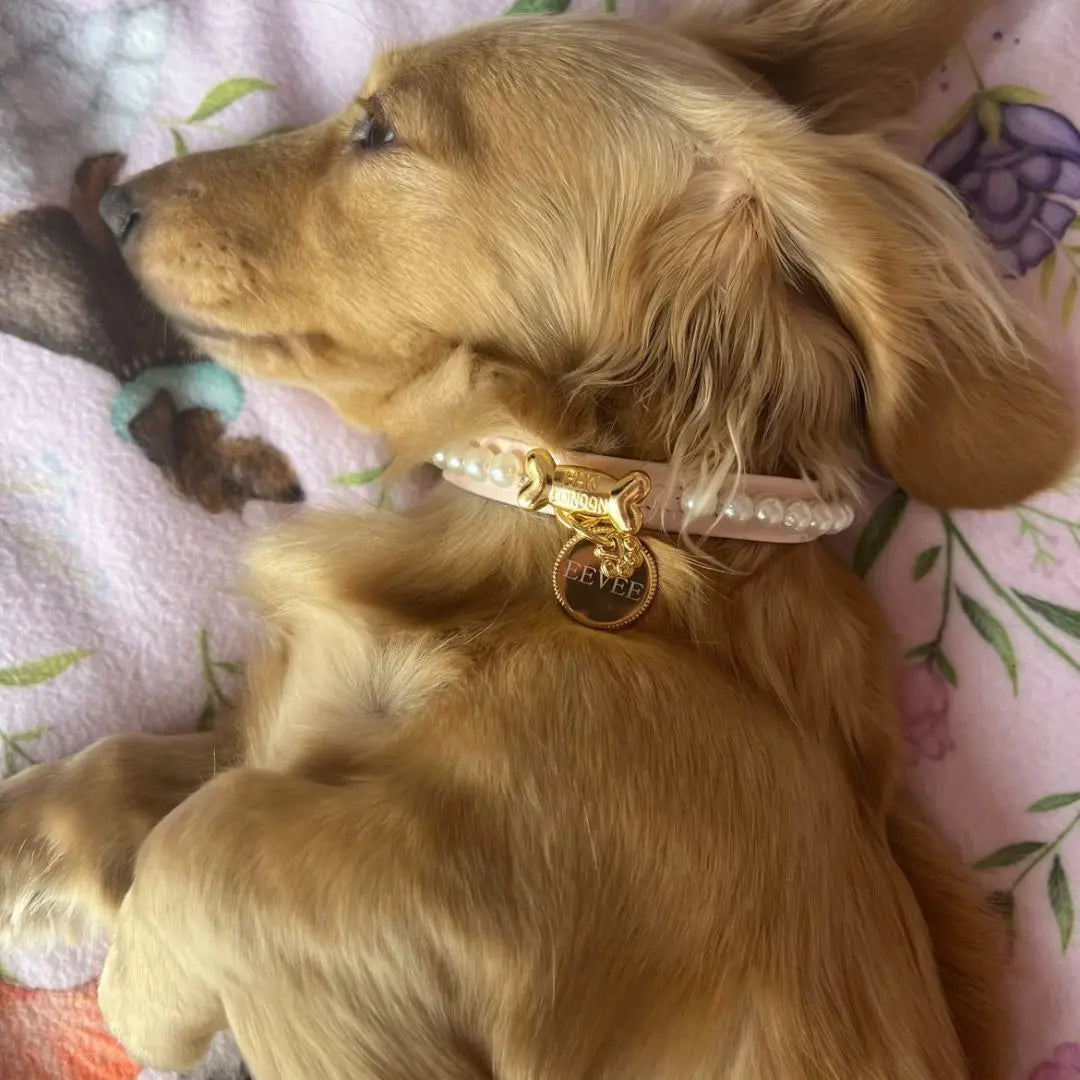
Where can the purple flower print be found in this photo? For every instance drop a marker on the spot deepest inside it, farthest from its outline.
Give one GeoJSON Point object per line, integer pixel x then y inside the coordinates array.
{"type": "Point", "coordinates": [924, 705]}
{"type": "Point", "coordinates": [1063, 1064]}
{"type": "Point", "coordinates": [1015, 163]}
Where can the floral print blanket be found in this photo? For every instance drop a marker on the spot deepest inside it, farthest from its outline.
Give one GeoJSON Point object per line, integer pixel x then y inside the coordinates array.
{"type": "Point", "coordinates": [132, 469]}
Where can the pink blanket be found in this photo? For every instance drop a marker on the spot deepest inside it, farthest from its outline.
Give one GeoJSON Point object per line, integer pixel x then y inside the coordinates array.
{"type": "Point", "coordinates": [132, 470]}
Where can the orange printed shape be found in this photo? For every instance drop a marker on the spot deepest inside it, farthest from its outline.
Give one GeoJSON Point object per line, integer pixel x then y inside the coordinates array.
{"type": "Point", "coordinates": [58, 1035]}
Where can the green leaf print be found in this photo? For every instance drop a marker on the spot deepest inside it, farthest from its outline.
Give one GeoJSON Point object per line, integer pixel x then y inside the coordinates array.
{"type": "Point", "coordinates": [941, 662]}
{"type": "Point", "coordinates": [1017, 95]}
{"type": "Point", "coordinates": [919, 652]}
{"type": "Point", "coordinates": [955, 120]}
{"type": "Point", "coordinates": [992, 632]}
{"type": "Point", "coordinates": [1053, 802]}
{"type": "Point", "coordinates": [926, 561]}
{"type": "Point", "coordinates": [216, 700]}
{"type": "Point", "coordinates": [990, 117]}
{"type": "Point", "coordinates": [271, 132]}
{"type": "Point", "coordinates": [1063, 618]}
{"type": "Point", "coordinates": [1061, 902]}
{"type": "Point", "coordinates": [538, 7]}
{"type": "Point", "coordinates": [879, 530]}
{"type": "Point", "coordinates": [40, 671]}
{"type": "Point", "coordinates": [225, 94]}
{"type": "Point", "coordinates": [16, 756]}
{"type": "Point", "coordinates": [359, 479]}
{"type": "Point", "coordinates": [932, 651]}
{"type": "Point", "coordinates": [180, 146]}
{"type": "Point", "coordinates": [1046, 274]}
{"type": "Point", "coordinates": [1010, 855]}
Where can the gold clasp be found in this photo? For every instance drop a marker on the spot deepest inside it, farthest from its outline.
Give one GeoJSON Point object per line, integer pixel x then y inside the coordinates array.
{"type": "Point", "coordinates": [601, 508]}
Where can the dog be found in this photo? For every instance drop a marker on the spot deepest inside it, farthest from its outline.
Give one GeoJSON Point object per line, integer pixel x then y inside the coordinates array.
{"type": "Point", "coordinates": [450, 832]}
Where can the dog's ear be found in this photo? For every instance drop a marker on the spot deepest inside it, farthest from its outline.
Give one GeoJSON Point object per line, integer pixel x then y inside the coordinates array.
{"type": "Point", "coordinates": [960, 404]}
{"type": "Point", "coordinates": [730, 363]}
{"type": "Point", "coordinates": [846, 63]}
{"type": "Point", "coordinates": [817, 292]}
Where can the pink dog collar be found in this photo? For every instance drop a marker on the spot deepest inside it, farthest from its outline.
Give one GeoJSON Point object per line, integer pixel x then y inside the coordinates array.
{"type": "Point", "coordinates": [770, 509]}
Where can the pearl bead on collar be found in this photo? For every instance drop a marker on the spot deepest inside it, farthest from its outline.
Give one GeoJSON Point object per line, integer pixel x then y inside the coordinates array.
{"type": "Point", "coordinates": [767, 509]}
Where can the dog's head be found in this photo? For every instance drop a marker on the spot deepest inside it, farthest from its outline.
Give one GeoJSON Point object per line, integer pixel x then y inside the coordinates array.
{"type": "Point", "coordinates": [666, 242]}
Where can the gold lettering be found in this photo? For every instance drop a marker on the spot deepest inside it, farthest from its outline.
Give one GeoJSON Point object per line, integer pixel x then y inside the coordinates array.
{"type": "Point", "coordinates": [570, 499]}
{"type": "Point", "coordinates": [582, 479]}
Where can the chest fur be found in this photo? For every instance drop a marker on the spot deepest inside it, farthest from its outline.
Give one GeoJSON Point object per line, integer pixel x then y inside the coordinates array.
{"type": "Point", "coordinates": [341, 679]}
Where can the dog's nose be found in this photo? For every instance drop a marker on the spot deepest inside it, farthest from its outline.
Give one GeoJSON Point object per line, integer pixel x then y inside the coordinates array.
{"type": "Point", "coordinates": [118, 209]}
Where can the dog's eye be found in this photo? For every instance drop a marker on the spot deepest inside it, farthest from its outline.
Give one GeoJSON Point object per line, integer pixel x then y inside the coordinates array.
{"type": "Point", "coordinates": [372, 133]}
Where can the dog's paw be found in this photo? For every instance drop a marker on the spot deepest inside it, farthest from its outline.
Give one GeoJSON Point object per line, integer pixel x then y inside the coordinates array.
{"type": "Point", "coordinates": [155, 1007]}
{"type": "Point", "coordinates": [56, 882]}
{"type": "Point", "coordinates": [31, 907]}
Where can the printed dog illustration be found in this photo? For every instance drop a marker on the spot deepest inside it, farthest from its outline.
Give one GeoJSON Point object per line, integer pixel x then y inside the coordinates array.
{"type": "Point", "coordinates": [64, 286]}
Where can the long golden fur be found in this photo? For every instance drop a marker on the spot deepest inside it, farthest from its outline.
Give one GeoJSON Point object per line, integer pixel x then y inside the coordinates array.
{"type": "Point", "coordinates": [450, 833]}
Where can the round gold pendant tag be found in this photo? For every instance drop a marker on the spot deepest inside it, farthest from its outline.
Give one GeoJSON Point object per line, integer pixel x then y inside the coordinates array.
{"type": "Point", "coordinates": [591, 597]}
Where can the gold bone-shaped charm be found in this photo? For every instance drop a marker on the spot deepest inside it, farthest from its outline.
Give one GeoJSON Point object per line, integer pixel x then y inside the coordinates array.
{"type": "Point", "coordinates": [584, 492]}
{"type": "Point", "coordinates": [605, 577]}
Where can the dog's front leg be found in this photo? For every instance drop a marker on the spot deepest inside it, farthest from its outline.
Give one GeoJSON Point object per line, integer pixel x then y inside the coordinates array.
{"type": "Point", "coordinates": [70, 830]}
{"type": "Point", "coordinates": [296, 913]}
{"type": "Point", "coordinates": [227, 890]}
